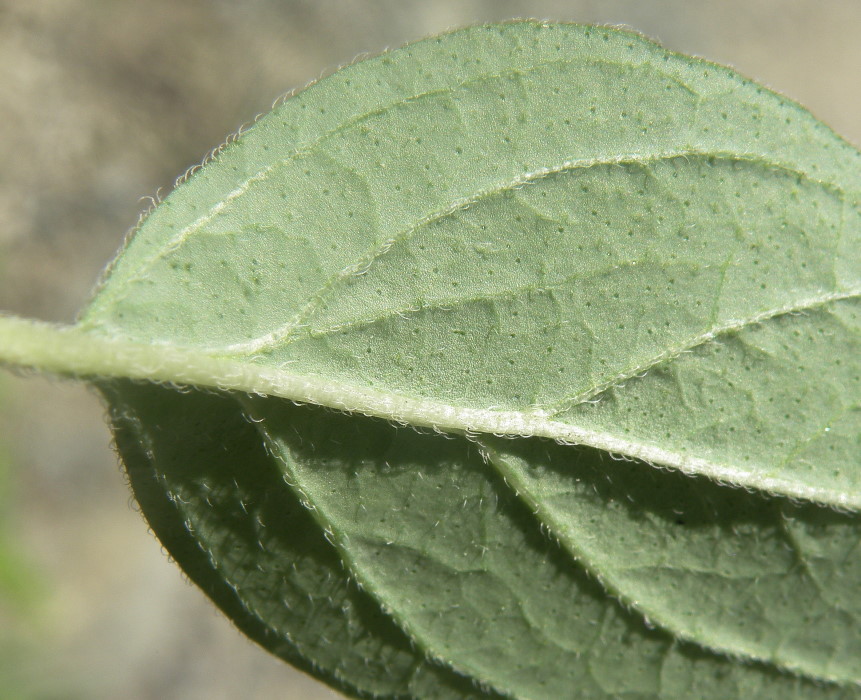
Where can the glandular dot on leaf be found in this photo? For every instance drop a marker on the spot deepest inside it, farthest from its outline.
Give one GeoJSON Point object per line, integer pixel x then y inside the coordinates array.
{"type": "Point", "coordinates": [500, 260]}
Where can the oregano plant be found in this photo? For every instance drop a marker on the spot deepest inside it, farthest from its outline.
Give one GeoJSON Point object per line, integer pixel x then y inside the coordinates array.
{"type": "Point", "coordinates": [523, 361]}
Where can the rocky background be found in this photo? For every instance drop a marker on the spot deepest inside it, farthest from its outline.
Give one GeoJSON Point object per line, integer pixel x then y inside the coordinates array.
{"type": "Point", "coordinates": [105, 101]}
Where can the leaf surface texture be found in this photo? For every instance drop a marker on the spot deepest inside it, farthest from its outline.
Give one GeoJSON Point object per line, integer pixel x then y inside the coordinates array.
{"type": "Point", "coordinates": [546, 232]}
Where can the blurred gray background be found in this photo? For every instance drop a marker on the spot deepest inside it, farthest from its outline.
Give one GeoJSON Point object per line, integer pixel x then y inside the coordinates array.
{"type": "Point", "coordinates": [105, 101]}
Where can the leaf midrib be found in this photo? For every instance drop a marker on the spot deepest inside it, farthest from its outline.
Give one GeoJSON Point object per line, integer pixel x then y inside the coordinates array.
{"type": "Point", "coordinates": [73, 351]}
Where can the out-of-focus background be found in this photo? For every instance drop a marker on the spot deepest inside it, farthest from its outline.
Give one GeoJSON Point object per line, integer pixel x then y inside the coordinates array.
{"type": "Point", "coordinates": [105, 101]}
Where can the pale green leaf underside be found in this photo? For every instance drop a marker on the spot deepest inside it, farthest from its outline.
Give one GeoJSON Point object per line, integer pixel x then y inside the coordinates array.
{"type": "Point", "coordinates": [524, 229]}
{"type": "Point", "coordinates": [504, 247]}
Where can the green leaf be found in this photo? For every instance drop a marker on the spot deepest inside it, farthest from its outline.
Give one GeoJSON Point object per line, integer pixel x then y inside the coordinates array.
{"type": "Point", "coordinates": [494, 230]}
{"type": "Point", "coordinates": [539, 231]}
{"type": "Point", "coordinates": [430, 529]}
{"type": "Point", "coordinates": [700, 559]}
{"type": "Point", "coordinates": [217, 502]}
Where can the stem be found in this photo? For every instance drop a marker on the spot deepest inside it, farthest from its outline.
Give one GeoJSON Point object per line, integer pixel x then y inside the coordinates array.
{"type": "Point", "coordinates": [70, 352]}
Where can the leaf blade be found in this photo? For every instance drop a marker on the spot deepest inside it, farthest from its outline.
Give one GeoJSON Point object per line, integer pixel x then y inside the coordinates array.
{"type": "Point", "coordinates": [271, 572]}
{"type": "Point", "coordinates": [400, 254]}
{"type": "Point", "coordinates": [406, 159]}
{"type": "Point", "coordinates": [428, 530]}
{"type": "Point", "coordinates": [698, 559]}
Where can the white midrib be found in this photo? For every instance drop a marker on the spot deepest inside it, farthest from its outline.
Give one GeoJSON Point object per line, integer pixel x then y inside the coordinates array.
{"type": "Point", "coordinates": [71, 352]}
